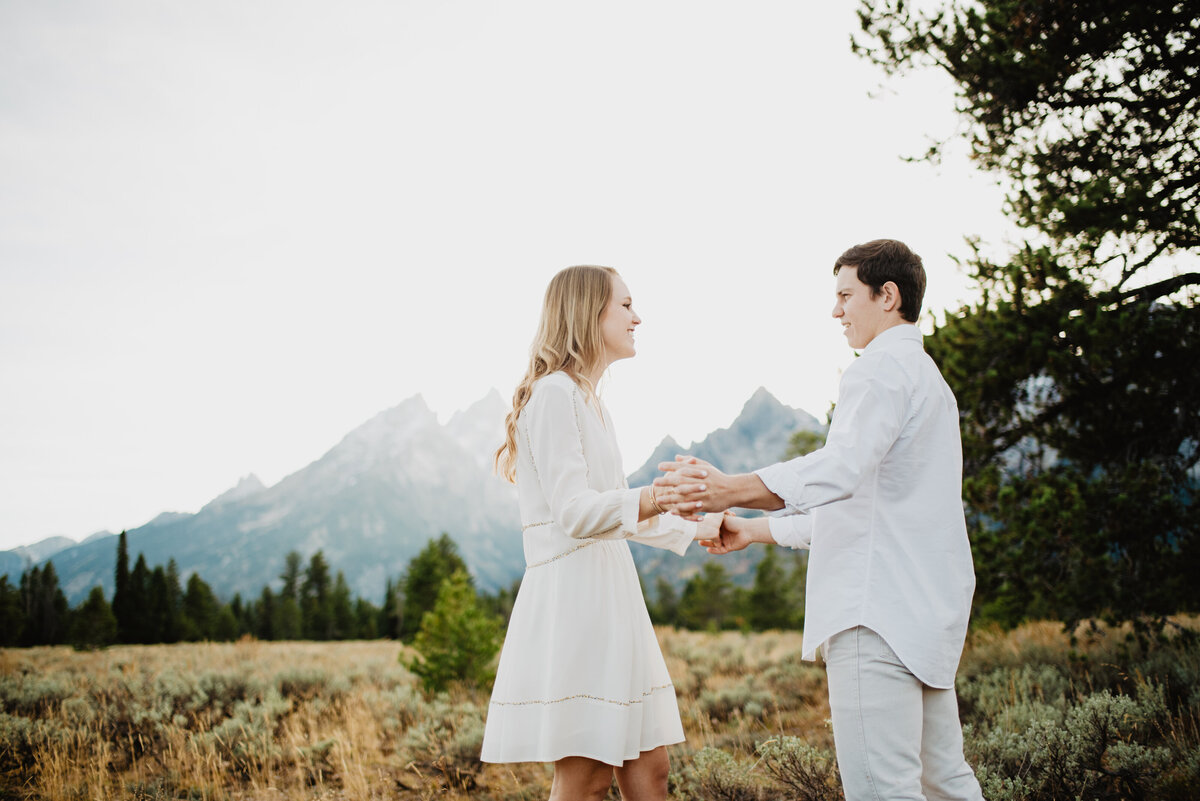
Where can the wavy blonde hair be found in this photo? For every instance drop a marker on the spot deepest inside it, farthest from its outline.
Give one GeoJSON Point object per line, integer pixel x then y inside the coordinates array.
{"type": "Point", "coordinates": [568, 339]}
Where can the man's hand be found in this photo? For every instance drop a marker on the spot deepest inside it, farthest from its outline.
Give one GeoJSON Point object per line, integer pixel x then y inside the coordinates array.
{"type": "Point", "coordinates": [737, 533]}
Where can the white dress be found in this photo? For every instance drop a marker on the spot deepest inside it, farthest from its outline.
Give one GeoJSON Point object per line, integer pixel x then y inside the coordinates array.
{"type": "Point", "coordinates": [581, 672]}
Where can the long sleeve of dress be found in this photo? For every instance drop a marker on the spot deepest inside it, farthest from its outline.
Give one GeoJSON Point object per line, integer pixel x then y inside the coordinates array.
{"type": "Point", "coordinates": [552, 424]}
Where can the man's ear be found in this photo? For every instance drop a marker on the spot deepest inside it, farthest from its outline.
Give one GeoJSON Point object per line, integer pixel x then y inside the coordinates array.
{"type": "Point", "coordinates": [891, 296]}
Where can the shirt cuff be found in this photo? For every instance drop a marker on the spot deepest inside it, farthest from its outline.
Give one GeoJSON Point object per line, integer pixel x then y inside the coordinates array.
{"type": "Point", "coordinates": [781, 479]}
{"type": "Point", "coordinates": [792, 531]}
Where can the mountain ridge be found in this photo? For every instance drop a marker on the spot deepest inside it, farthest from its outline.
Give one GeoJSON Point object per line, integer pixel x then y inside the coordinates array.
{"type": "Point", "coordinates": [374, 499]}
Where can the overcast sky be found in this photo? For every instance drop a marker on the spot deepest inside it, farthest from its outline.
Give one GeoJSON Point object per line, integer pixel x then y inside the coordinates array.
{"type": "Point", "coordinates": [231, 232]}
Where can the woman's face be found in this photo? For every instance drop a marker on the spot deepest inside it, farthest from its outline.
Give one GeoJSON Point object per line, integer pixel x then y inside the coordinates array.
{"type": "Point", "coordinates": [617, 323]}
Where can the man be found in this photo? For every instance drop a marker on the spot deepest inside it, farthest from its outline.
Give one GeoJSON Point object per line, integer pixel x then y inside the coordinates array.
{"type": "Point", "coordinates": [890, 576]}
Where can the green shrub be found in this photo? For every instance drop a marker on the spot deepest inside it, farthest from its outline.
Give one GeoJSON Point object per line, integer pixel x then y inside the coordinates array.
{"type": "Point", "coordinates": [34, 695]}
{"type": "Point", "coordinates": [715, 775]}
{"type": "Point", "coordinates": [743, 698]}
{"type": "Point", "coordinates": [448, 739]}
{"type": "Point", "coordinates": [1099, 749]}
{"type": "Point", "coordinates": [458, 639]}
{"type": "Point", "coordinates": [810, 774]}
{"type": "Point", "coordinates": [399, 707]}
{"type": "Point", "coordinates": [248, 738]}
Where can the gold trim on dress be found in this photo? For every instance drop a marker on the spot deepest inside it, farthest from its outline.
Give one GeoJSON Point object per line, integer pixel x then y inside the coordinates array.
{"type": "Point", "coordinates": [583, 544]}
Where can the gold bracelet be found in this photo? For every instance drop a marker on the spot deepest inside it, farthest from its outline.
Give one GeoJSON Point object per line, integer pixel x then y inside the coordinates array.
{"type": "Point", "coordinates": [654, 502]}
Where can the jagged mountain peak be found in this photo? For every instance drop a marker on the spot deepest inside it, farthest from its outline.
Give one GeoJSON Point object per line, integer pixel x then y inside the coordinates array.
{"type": "Point", "coordinates": [247, 485]}
{"type": "Point", "coordinates": [393, 426]}
{"type": "Point", "coordinates": [762, 398]}
{"type": "Point", "coordinates": [479, 428]}
{"type": "Point", "coordinates": [756, 438]}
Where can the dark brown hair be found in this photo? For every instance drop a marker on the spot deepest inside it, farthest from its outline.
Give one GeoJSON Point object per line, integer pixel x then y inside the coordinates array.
{"type": "Point", "coordinates": [883, 260]}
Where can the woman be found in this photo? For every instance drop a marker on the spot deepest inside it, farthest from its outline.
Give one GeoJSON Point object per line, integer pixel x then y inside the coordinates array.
{"type": "Point", "coordinates": [581, 681]}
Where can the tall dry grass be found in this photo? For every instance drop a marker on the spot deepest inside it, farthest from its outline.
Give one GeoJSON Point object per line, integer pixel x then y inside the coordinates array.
{"type": "Point", "coordinates": [304, 721]}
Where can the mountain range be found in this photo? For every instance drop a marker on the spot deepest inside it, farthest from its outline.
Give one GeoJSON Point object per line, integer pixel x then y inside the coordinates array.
{"type": "Point", "coordinates": [377, 497]}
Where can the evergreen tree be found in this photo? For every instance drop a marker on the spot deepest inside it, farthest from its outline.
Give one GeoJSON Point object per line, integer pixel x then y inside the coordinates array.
{"type": "Point", "coordinates": [200, 610]}
{"type": "Point", "coordinates": [157, 604]}
{"type": "Point", "coordinates": [288, 624]}
{"type": "Point", "coordinates": [142, 615]}
{"type": "Point", "coordinates": [709, 598]}
{"type": "Point", "coordinates": [225, 624]}
{"type": "Point", "coordinates": [458, 639]}
{"type": "Point", "coordinates": [243, 615]}
{"type": "Point", "coordinates": [341, 609]}
{"type": "Point", "coordinates": [93, 625]}
{"type": "Point", "coordinates": [122, 603]}
{"type": "Point", "coordinates": [366, 620]}
{"type": "Point", "coordinates": [1080, 415]}
{"type": "Point", "coordinates": [44, 607]}
{"type": "Point", "coordinates": [172, 614]}
{"type": "Point", "coordinates": [802, 443]}
{"type": "Point", "coordinates": [770, 601]}
{"type": "Point", "coordinates": [292, 576]}
{"type": "Point", "coordinates": [436, 562]}
{"type": "Point", "coordinates": [164, 604]}
{"type": "Point", "coordinates": [665, 609]}
{"type": "Point", "coordinates": [316, 599]}
{"type": "Point", "coordinates": [266, 615]}
{"type": "Point", "coordinates": [12, 615]}
{"type": "Point", "coordinates": [391, 615]}
{"type": "Point", "coordinates": [501, 604]}
{"type": "Point", "coordinates": [797, 585]}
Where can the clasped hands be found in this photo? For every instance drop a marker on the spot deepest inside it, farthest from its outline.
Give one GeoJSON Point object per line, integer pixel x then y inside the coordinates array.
{"type": "Point", "coordinates": [691, 487]}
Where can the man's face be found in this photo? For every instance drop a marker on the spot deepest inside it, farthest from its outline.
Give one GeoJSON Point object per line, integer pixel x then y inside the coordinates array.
{"type": "Point", "coordinates": [862, 317]}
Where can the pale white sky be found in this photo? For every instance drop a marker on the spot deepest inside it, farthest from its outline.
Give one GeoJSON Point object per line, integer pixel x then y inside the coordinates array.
{"type": "Point", "coordinates": [231, 232]}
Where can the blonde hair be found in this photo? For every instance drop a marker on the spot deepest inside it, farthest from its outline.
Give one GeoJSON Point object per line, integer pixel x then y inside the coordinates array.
{"type": "Point", "coordinates": [568, 339]}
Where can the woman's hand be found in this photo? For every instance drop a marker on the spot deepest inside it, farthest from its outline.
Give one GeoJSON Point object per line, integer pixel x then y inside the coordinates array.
{"type": "Point", "coordinates": [737, 532]}
{"type": "Point", "coordinates": [708, 527]}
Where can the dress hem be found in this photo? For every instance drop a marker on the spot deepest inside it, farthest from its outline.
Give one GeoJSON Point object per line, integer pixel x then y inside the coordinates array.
{"type": "Point", "coordinates": [551, 759]}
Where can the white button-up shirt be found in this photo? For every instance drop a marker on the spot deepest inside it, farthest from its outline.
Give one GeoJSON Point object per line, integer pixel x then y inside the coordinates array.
{"type": "Point", "coordinates": [880, 506]}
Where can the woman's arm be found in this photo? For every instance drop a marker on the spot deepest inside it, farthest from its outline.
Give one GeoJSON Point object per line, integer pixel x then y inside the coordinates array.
{"type": "Point", "coordinates": [551, 424]}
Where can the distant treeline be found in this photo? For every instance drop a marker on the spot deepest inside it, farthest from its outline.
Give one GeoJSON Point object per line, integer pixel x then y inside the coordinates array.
{"type": "Point", "coordinates": [153, 605]}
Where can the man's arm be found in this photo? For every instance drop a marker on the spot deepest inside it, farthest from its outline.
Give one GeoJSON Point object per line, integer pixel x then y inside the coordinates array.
{"type": "Point", "coordinates": [871, 409]}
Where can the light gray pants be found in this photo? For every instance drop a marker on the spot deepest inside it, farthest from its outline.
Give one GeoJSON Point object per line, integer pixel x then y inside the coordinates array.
{"type": "Point", "coordinates": [896, 738]}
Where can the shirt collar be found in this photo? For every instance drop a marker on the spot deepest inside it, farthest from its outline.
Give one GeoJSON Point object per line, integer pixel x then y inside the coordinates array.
{"type": "Point", "coordinates": [895, 334]}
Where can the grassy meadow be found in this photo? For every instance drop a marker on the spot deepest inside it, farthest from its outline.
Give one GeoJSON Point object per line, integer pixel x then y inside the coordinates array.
{"type": "Point", "coordinates": [1105, 717]}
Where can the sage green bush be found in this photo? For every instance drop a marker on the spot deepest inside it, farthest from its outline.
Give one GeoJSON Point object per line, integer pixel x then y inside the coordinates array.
{"type": "Point", "coordinates": [808, 773]}
{"type": "Point", "coordinates": [447, 738]}
{"type": "Point", "coordinates": [745, 698]}
{"type": "Point", "coordinates": [1110, 718]}
{"type": "Point", "coordinates": [248, 738]}
{"type": "Point", "coordinates": [715, 775]}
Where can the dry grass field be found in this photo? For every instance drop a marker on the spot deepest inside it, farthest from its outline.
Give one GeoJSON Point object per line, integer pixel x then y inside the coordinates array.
{"type": "Point", "coordinates": [257, 720]}
{"type": "Point", "coordinates": [346, 720]}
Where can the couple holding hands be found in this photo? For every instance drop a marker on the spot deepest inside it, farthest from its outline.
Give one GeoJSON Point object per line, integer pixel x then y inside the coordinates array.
{"type": "Point", "coordinates": [582, 682]}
